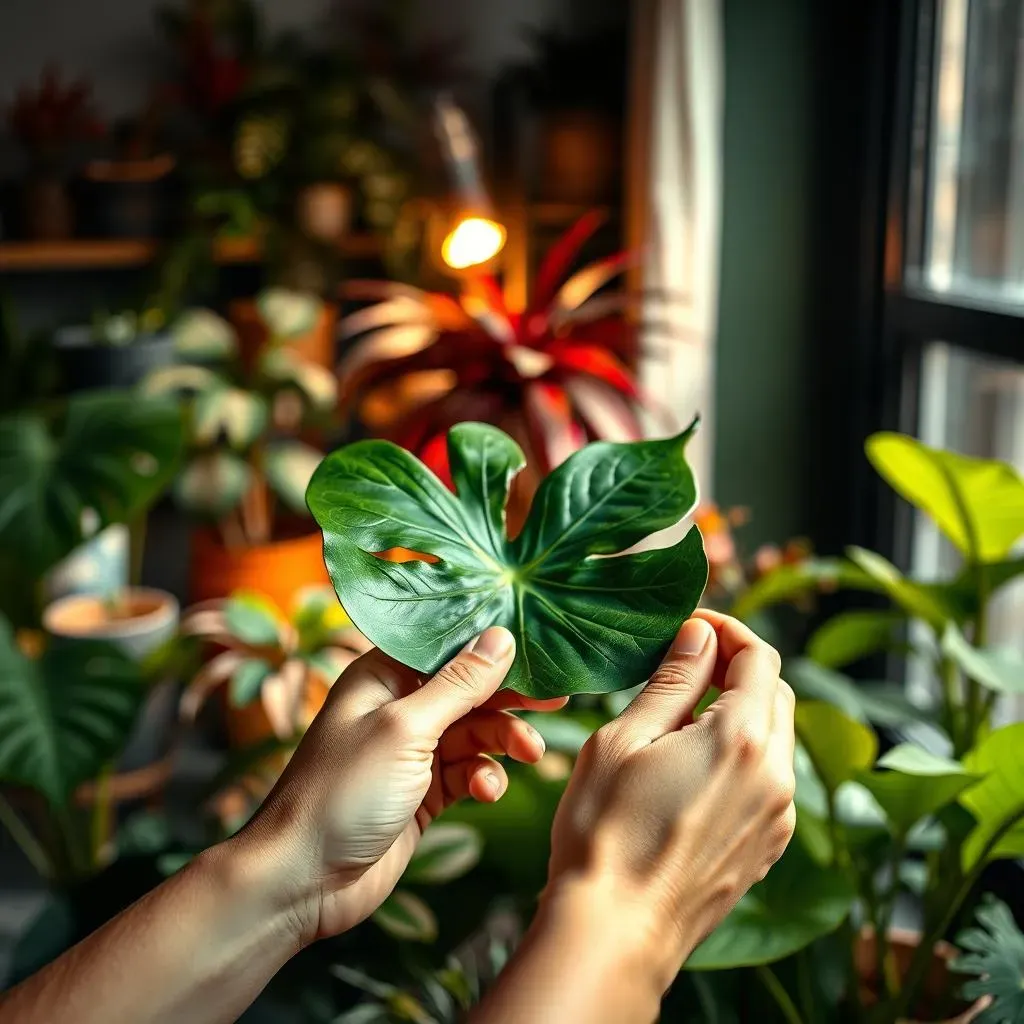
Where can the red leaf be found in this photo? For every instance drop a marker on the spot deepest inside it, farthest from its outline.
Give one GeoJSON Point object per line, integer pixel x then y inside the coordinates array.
{"type": "Point", "coordinates": [597, 362]}
{"type": "Point", "coordinates": [608, 415]}
{"type": "Point", "coordinates": [434, 455]}
{"type": "Point", "coordinates": [554, 434]}
{"type": "Point", "coordinates": [559, 258]}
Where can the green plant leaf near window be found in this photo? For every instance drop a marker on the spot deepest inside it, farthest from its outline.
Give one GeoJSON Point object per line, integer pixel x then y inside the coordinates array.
{"type": "Point", "coordinates": [583, 622]}
{"type": "Point", "coordinates": [977, 503]}
{"type": "Point", "coordinates": [994, 951]}
{"type": "Point", "coordinates": [997, 802]}
{"type": "Point", "coordinates": [850, 636]}
{"type": "Point", "coordinates": [791, 581]}
{"type": "Point", "coordinates": [798, 901]}
{"type": "Point", "coordinates": [916, 599]}
{"type": "Point", "coordinates": [914, 784]}
{"type": "Point", "coordinates": [63, 717]}
{"type": "Point", "coordinates": [998, 668]}
{"type": "Point", "coordinates": [839, 747]}
{"type": "Point", "coordinates": [113, 455]}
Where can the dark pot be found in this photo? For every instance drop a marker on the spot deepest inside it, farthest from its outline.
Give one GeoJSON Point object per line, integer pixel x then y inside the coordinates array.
{"type": "Point", "coordinates": [47, 213]}
{"type": "Point", "coordinates": [86, 364]}
{"type": "Point", "coordinates": [580, 157]}
{"type": "Point", "coordinates": [126, 199]}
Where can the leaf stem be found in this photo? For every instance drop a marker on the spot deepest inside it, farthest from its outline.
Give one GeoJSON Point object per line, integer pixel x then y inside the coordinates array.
{"type": "Point", "coordinates": [803, 980]}
{"type": "Point", "coordinates": [33, 850]}
{"type": "Point", "coordinates": [779, 994]}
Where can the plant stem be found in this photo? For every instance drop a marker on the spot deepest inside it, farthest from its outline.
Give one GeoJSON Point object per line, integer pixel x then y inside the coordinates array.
{"type": "Point", "coordinates": [137, 548]}
{"type": "Point", "coordinates": [33, 850]}
{"type": "Point", "coordinates": [779, 994]}
{"type": "Point", "coordinates": [803, 980]}
{"type": "Point", "coordinates": [951, 700]}
{"type": "Point", "coordinates": [918, 969]}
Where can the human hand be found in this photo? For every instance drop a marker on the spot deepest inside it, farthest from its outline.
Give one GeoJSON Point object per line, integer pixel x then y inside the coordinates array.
{"type": "Point", "coordinates": [677, 818]}
{"type": "Point", "coordinates": [386, 754]}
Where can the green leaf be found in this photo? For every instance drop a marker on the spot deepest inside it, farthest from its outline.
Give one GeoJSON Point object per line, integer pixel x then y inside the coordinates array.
{"type": "Point", "coordinates": [994, 951]}
{"type": "Point", "coordinates": [916, 599]}
{"type": "Point", "coordinates": [213, 483]}
{"type": "Point", "coordinates": [914, 784]}
{"type": "Point", "coordinates": [852, 635]}
{"type": "Point", "coordinates": [997, 668]}
{"type": "Point", "coordinates": [289, 466]}
{"type": "Point", "coordinates": [406, 916]}
{"type": "Point", "coordinates": [201, 334]}
{"type": "Point", "coordinates": [317, 386]}
{"type": "Point", "coordinates": [239, 416]}
{"type": "Point", "coordinates": [253, 619]}
{"type": "Point", "coordinates": [798, 902]}
{"type": "Point", "coordinates": [787, 582]}
{"type": "Point", "coordinates": [977, 503]}
{"type": "Point", "coordinates": [582, 623]}
{"type": "Point", "coordinates": [113, 457]}
{"type": "Point", "coordinates": [445, 851]}
{"type": "Point", "coordinates": [564, 731]}
{"type": "Point", "coordinates": [997, 802]}
{"type": "Point", "coordinates": [287, 314]}
{"type": "Point", "coordinates": [179, 380]}
{"type": "Point", "coordinates": [247, 680]}
{"type": "Point", "coordinates": [839, 746]}
{"type": "Point", "coordinates": [64, 717]}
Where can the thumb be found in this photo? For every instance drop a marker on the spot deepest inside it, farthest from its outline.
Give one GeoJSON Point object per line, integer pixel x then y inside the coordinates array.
{"type": "Point", "coordinates": [671, 696]}
{"type": "Point", "coordinates": [472, 676]}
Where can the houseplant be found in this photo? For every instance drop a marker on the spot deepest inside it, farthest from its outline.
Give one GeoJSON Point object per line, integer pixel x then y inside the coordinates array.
{"type": "Point", "coordinates": [275, 668]}
{"type": "Point", "coordinates": [47, 121]}
{"type": "Point", "coordinates": [929, 815]}
{"type": "Point", "coordinates": [246, 471]}
{"type": "Point", "coordinates": [553, 375]}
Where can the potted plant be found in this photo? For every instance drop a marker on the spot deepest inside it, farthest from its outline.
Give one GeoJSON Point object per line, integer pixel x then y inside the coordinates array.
{"type": "Point", "coordinates": [246, 471]}
{"type": "Point", "coordinates": [47, 121]}
{"type": "Point", "coordinates": [553, 376]}
{"type": "Point", "coordinates": [922, 820]}
{"type": "Point", "coordinates": [276, 669]}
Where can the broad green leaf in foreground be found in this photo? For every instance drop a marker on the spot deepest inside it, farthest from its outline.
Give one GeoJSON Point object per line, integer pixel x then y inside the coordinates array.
{"type": "Point", "coordinates": [994, 951]}
{"type": "Point", "coordinates": [798, 901]}
{"type": "Point", "coordinates": [839, 746]}
{"type": "Point", "coordinates": [997, 802]}
{"type": "Point", "coordinates": [583, 622]}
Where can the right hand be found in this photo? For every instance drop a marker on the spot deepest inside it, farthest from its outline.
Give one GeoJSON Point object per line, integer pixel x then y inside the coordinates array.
{"type": "Point", "coordinates": [677, 818]}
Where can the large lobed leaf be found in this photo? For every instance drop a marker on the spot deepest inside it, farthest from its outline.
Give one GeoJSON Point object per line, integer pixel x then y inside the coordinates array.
{"type": "Point", "coordinates": [582, 622]}
{"type": "Point", "coordinates": [994, 952]}
{"type": "Point", "coordinates": [116, 454]}
{"type": "Point", "coordinates": [997, 802]}
{"type": "Point", "coordinates": [65, 716]}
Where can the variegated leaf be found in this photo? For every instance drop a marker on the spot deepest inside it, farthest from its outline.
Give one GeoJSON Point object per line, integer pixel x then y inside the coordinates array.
{"type": "Point", "coordinates": [585, 282]}
{"type": "Point", "coordinates": [289, 465]}
{"type": "Point", "coordinates": [403, 309]}
{"type": "Point", "coordinates": [238, 415]}
{"type": "Point", "coordinates": [247, 680]}
{"type": "Point", "coordinates": [445, 851]}
{"type": "Point", "coordinates": [386, 344]}
{"type": "Point", "coordinates": [406, 916]}
{"type": "Point", "coordinates": [286, 313]}
{"type": "Point", "coordinates": [177, 380]}
{"type": "Point", "coordinates": [282, 698]}
{"type": "Point", "coordinates": [253, 618]}
{"type": "Point", "coordinates": [316, 384]}
{"type": "Point", "coordinates": [213, 483]}
{"type": "Point", "coordinates": [214, 673]}
{"type": "Point", "coordinates": [201, 334]}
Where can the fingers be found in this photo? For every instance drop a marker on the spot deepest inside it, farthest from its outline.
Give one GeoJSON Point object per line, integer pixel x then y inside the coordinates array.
{"type": "Point", "coordinates": [669, 699]}
{"type": "Point", "coordinates": [480, 777]}
{"type": "Point", "coordinates": [465, 683]}
{"type": "Point", "coordinates": [491, 732]}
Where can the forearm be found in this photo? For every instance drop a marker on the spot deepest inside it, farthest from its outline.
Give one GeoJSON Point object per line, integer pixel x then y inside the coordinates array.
{"type": "Point", "coordinates": [199, 948]}
{"type": "Point", "coordinates": [586, 956]}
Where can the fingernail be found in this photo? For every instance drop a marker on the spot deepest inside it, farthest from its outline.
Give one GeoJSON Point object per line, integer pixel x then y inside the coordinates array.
{"type": "Point", "coordinates": [692, 638]}
{"type": "Point", "coordinates": [492, 784]}
{"type": "Point", "coordinates": [536, 737]}
{"type": "Point", "coordinates": [493, 645]}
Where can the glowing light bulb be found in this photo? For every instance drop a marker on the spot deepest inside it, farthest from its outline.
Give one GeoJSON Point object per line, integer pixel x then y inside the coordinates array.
{"type": "Point", "coordinates": [474, 240]}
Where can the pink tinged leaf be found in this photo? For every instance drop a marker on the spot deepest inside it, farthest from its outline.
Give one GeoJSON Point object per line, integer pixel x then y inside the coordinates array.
{"type": "Point", "coordinates": [494, 322]}
{"type": "Point", "coordinates": [204, 619]}
{"type": "Point", "coordinates": [597, 308]}
{"type": "Point", "coordinates": [281, 695]}
{"type": "Point", "coordinates": [486, 288]}
{"type": "Point", "coordinates": [554, 432]}
{"type": "Point", "coordinates": [529, 362]}
{"type": "Point", "coordinates": [597, 362]}
{"type": "Point", "coordinates": [583, 284]}
{"type": "Point", "coordinates": [384, 345]}
{"type": "Point", "coordinates": [214, 673]}
{"type": "Point", "coordinates": [608, 415]}
{"type": "Point", "coordinates": [401, 310]}
{"type": "Point", "coordinates": [560, 256]}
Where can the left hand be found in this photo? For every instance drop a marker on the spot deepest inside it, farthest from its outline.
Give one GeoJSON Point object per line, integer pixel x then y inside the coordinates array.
{"type": "Point", "coordinates": [386, 754]}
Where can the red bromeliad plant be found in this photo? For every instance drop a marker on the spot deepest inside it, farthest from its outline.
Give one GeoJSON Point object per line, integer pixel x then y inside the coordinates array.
{"type": "Point", "coordinates": [553, 376]}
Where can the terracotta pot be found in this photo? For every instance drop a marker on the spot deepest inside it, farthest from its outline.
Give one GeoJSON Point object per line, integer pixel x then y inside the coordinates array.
{"type": "Point", "coordinates": [937, 998]}
{"type": "Point", "coordinates": [317, 345]}
{"type": "Point", "coordinates": [580, 157]}
{"type": "Point", "coordinates": [47, 211]}
{"type": "Point", "coordinates": [279, 569]}
{"type": "Point", "coordinates": [324, 210]}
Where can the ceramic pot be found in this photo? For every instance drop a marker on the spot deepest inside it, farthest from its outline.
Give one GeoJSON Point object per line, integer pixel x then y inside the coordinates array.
{"type": "Point", "coordinates": [126, 198]}
{"type": "Point", "coordinates": [86, 364]}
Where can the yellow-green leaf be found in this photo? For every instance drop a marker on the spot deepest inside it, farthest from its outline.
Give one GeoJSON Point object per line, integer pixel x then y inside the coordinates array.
{"type": "Point", "coordinates": [914, 598]}
{"type": "Point", "coordinates": [997, 668]}
{"type": "Point", "coordinates": [839, 747]}
{"type": "Point", "coordinates": [850, 636]}
{"type": "Point", "coordinates": [997, 802]}
{"type": "Point", "coordinates": [977, 503]}
{"type": "Point", "coordinates": [201, 334]}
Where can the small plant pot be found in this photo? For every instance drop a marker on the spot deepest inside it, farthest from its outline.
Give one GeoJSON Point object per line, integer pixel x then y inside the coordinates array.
{"type": "Point", "coordinates": [323, 210]}
{"type": "Point", "coordinates": [317, 345]}
{"type": "Point", "coordinates": [99, 567]}
{"type": "Point", "coordinates": [937, 1003]}
{"type": "Point", "coordinates": [279, 569]}
{"type": "Point", "coordinates": [86, 364]}
{"type": "Point", "coordinates": [126, 198]}
{"type": "Point", "coordinates": [142, 620]}
{"type": "Point", "coordinates": [47, 212]}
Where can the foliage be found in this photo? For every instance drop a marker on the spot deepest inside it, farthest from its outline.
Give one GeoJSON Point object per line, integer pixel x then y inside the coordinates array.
{"type": "Point", "coordinates": [582, 623]}
{"type": "Point", "coordinates": [959, 797]}
{"type": "Point", "coordinates": [995, 953]}
{"type": "Point", "coordinates": [553, 376]}
{"type": "Point", "coordinates": [241, 409]}
{"type": "Point", "coordinates": [268, 657]}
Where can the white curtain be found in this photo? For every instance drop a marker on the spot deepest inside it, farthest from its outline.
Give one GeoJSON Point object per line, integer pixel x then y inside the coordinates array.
{"type": "Point", "coordinates": [674, 205]}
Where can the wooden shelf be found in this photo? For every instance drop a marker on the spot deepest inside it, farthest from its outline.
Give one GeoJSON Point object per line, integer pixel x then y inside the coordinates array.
{"type": "Point", "coordinates": [96, 254]}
